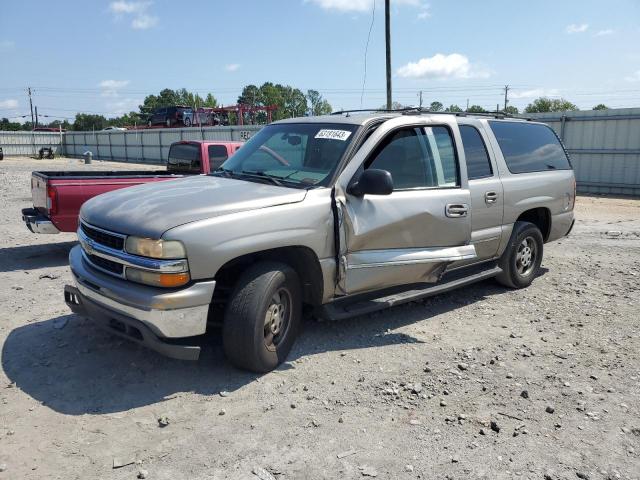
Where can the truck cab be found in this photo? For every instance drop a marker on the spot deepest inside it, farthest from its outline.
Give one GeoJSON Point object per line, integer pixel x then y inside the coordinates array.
{"type": "Point", "coordinates": [339, 215]}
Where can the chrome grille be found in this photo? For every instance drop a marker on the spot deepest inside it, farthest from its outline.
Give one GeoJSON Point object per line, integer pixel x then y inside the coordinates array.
{"type": "Point", "coordinates": [103, 237]}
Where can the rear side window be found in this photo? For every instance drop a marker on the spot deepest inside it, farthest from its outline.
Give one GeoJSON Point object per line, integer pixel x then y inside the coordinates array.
{"type": "Point", "coordinates": [529, 147]}
{"type": "Point", "coordinates": [475, 151]}
{"type": "Point", "coordinates": [217, 156]}
{"type": "Point", "coordinates": [184, 158]}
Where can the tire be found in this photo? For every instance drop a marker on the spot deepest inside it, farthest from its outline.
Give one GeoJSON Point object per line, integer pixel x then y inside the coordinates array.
{"type": "Point", "coordinates": [187, 122]}
{"type": "Point", "coordinates": [521, 260]}
{"type": "Point", "coordinates": [262, 317]}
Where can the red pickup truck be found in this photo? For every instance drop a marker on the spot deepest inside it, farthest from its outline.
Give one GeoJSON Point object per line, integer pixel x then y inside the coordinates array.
{"type": "Point", "coordinates": [58, 196]}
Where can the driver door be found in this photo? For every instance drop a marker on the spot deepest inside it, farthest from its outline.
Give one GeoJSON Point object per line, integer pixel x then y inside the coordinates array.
{"type": "Point", "coordinates": [411, 235]}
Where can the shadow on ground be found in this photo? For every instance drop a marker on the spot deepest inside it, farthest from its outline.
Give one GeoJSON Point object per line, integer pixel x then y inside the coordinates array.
{"type": "Point", "coordinates": [30, 257]}
{"type": "Point", "coordinates": [72, 367]}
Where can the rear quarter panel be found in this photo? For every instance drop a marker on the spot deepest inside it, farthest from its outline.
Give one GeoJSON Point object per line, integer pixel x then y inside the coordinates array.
{"type": "Point", "coordinates": [550, 189]}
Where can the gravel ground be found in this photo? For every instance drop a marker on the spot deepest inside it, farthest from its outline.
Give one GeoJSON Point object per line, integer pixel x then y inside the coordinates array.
{"type": "Point", "coordinates": [541, 383]}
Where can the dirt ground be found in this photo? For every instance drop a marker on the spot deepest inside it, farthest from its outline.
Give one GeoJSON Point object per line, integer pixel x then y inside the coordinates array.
{"type": "Point", "coordinates": [484, 382]}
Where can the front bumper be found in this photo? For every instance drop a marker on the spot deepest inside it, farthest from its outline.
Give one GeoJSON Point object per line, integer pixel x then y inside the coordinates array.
{"type": "Point", "coordinates": [38, 223]}
{"type": "Point", "coordinates": [151, 316]}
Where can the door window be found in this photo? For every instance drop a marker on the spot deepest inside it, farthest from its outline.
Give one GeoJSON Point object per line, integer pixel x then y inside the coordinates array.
{"type": "Point", "coordinates": [217, 156]}
{"type": "Point", "coordinates": [418, 157]}
{"type": "Point", "coordinates": [475, 152]}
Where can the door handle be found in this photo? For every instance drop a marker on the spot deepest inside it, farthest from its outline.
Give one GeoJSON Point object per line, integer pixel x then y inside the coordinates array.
{"type": "Point", "coordinates": [491, 197]}
{"type": "Point", "coordinates": [455, 210]}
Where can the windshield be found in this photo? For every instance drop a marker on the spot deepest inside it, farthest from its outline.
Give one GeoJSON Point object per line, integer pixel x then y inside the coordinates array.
{"type": "Point", "coordinates": [292, 154]}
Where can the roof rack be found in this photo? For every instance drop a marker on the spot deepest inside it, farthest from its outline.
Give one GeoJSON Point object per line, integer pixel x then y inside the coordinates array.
{"type": "Point", "coordinates": [423, 111]}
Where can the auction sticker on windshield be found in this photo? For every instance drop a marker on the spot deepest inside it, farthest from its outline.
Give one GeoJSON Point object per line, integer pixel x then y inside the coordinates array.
{"type": "Point", "coordinates": [333, 134]}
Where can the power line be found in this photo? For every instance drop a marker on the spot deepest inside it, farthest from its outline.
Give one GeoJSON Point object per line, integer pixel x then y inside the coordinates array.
{"type": "Point", "coordinates": [366, 50]}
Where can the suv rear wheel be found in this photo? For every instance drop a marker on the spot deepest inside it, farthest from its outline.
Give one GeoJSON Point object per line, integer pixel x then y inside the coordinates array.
{"type": "Point", "coordinates": [187, 122]}
{"type": "Point", "coordinates": [262, 317]}
{"type": "Point", "coordinates": [521, 260]}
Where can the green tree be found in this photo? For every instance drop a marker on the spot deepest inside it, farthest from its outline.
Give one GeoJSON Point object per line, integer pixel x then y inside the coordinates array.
{"type": "Point", "coordinates": [168, 98]}
{"type": "Point", "coordinates": [7, 126]}
{"type": "Point", "coordinates": [476, 109]}
{"type": "Point", "coordinates": [250, 96]}
{"type": "Point", "coordinates": [86, 121]}
{"type": "Point", "coordinates": [436, 107]}
{"type": "Point", "coordinates": [317, 104]}
{"type": "Point", "coordinates": [453, 109]}
{"type": "Point", "coordinates": [511, 110]}
{"type": "Point", "coordinates": [545, 104]}
{"type": "Point", "coordinates": [600, 106]}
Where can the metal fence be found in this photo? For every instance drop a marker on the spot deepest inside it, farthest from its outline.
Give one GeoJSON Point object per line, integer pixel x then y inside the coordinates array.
{"type": "Point", "coordinates": [146, 146]}
{"type": "Point", "coordinates": [604, 146]}
{"type": "Point", "coordinates": [30, 143]}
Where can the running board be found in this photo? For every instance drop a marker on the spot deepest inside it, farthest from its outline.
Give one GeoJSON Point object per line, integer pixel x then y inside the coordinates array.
{"type": "Point", "coordinates": [342, 309]}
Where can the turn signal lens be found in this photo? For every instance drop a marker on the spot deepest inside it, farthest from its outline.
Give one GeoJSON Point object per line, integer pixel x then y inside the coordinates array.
{"type": "Point", "coordinates": [166, 280]}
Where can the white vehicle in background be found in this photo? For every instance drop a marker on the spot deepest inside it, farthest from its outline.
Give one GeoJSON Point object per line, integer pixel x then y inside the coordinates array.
{"type": "Point", "coordinates": [116, 129]}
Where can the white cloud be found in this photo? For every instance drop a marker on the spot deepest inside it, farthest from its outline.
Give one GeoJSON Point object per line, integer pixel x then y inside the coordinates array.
{"type": "Point", "coordinates": [357, 5]}
{"type": "Point", "coordinates": [535, 93]}
{"type": "Point", "coordinates": [123, 106]}
{"type": "Point", "coordinates": [7, 44]}
{"type": "Point", "coordinates": [634, 77]}
{"type": "Point", "coordinates": [110, 87]}
{"type": "Point", "coordinates": [604, 33]}
{"type": "Point", "coordinates": [142, 22]}
{"type": "Point", "coordinates": [9, 104]}
{"type": "Point", "coordinates": [142, 19]}
{"type": "Point", "coordinates": [575, 28]}
{"type": "Point", "coordinates": [122, 6]}
{"type": "Point", "coordinates": [232, 67]}
{"type": "Point", "coordinates": [425, 12]}
{"type": "Point", "coordinates": [442, 66]}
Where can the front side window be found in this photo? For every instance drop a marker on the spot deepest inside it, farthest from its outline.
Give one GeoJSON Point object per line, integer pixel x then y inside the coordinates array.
{"type": "Point", "coordinates": [475, 152]}
{"type": "Point", "coordinates": [418, 157]}
{"type": "Point", "coordinates": [529, 147]}
{"type": "Point", "coordinates": [184, 158]}
{"type": "Point", "coordinates": [292, 154]}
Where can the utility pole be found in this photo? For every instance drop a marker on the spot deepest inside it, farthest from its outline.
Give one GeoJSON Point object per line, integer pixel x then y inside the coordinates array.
{"type": "Point", "coordinates": [31, 105]}
{"type": "Point", "coordinates": [420, 98]}
{"type": "Point", "coordinates": [467, 105]}
{"type": "Point", "coordinates": [36, 115]}
{"type": "Point", "coordinates": [506, 96]}
{"type": "Point", "coordinates": [387, 28]}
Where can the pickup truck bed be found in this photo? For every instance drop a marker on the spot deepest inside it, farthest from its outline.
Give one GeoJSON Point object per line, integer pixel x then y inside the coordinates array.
{"type": "Point", "coordinates": [58, 195]}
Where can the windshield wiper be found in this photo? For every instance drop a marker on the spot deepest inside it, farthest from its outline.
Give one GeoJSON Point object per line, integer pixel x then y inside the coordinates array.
{"type": "Point", "coordinates": [259, 174]}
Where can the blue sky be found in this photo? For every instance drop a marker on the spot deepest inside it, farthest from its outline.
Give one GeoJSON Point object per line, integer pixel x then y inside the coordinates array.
{"type": "Point", "coordinates": [105, 56]}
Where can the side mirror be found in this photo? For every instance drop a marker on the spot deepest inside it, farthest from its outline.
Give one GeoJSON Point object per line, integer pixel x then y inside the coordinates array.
{"type": "Point", "coordinates": [372, 182]}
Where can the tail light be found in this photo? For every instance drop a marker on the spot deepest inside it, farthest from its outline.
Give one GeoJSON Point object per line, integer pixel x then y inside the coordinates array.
{"type": "Point", "coordinates": [177, 114]}
{"type": "Point", "coordinates": [52, 200]}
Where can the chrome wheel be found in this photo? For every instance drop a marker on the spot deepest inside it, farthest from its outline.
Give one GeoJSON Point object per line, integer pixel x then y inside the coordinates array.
{"type": "Point", "coordinates": [277, 318]}
{"type": "Point", "coordinates": [526, 256]}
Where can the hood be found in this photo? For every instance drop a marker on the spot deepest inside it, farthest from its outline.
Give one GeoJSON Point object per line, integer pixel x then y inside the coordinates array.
{"type": "Point", "coordinates": [151, 209]}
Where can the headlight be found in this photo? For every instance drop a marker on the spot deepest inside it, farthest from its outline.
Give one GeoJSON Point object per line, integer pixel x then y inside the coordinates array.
{"type": "Point", "coordinates": [148, 247]}
{"type": "Point", "coordinates": [166, 280]}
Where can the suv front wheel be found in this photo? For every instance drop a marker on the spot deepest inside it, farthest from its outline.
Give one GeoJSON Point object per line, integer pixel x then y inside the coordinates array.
{"type": "Point", "coordinates": [521, 259]}
{"type": "Point", "coordinates": [262, 317]}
